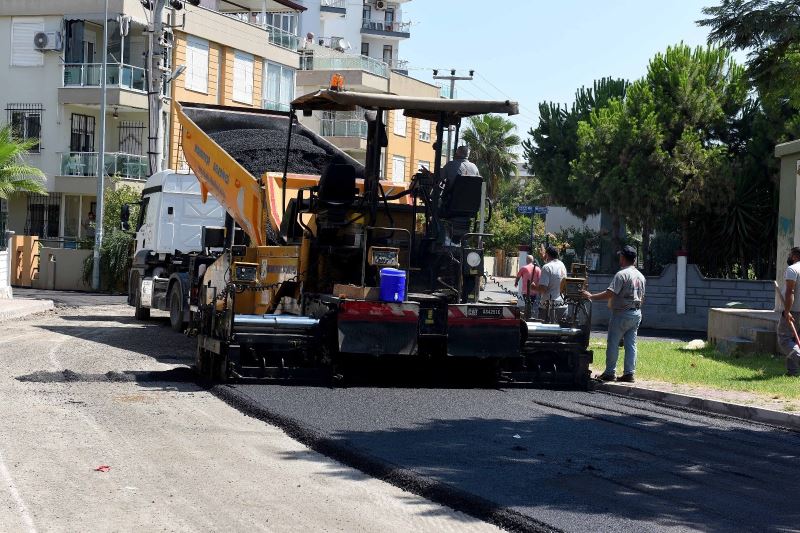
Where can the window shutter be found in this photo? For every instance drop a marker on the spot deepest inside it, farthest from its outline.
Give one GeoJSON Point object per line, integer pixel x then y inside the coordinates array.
{"type": "Point", "coordinates": [197, 64]}
{"type": "Point", "coordinates": [243, 77]}
{"type": "Point", "coordinates": [399, 123]}
{"type": "Point", "coordinates": [23, 53]}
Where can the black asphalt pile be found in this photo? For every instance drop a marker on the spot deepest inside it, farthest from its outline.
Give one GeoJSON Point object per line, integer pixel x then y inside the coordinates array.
{"type": "Point", "coordinates": [263, 150]}
{"type": "Point", "coordinates": [178, 374]}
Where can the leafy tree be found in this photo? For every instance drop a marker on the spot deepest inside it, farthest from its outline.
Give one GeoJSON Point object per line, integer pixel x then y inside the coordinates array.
{"type": "Point", "coordinates": [15, 174]}
{"type": "Point", "coordinates": [697, 96]}
{"type": "Point", "coordinates": [770, 31]}
{"type": "Point", "coordinates": [620, 164]}
{"type": "Point", "coordinates": [509, 229]}
{"type": "Point", "coordinates": [116, 248]}
{"type": "Point", "coordinates": [553, 144]}
{"type": "Point", "coordinates": [492, 143]}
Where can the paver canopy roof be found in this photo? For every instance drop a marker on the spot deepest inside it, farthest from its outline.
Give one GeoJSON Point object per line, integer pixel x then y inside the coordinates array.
{"type": "Point", "coordinates": [417, 107]}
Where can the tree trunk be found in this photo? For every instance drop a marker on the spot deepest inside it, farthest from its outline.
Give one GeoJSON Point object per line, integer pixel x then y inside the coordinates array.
{"type": "Point", "coordinates": [685, 234]}
{"type": "Point", "coordinates": [615, 241]}
{"type": "Point", "coordinates": [646, 248]}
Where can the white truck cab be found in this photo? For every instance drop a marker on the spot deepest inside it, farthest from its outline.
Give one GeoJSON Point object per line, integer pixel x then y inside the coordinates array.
{"type": "Point", "coordinates": [168, 239]}
{"type": "Point", "coordinates": [173, 214]}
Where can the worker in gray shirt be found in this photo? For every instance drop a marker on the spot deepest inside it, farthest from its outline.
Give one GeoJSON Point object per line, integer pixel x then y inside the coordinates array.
{"type": "Point", "coordinates": [626, 293]}
{"type": "Point", "coordinates": [458, 166]}
{"type": "Point", "coordinates": [551, 304]}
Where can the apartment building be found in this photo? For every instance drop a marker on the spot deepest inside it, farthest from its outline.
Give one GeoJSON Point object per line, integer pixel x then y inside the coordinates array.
{"type": "Point", "coordinates": [372, 28]}
{"type": "Point", "coordinates": [52, 94]}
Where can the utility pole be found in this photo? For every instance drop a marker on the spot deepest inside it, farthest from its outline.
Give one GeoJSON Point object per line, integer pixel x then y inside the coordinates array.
{"type": "Point", "coordinates": [101, 160]}
{"type": "Point", "coordinates": [155, 64]}
{"type": "Point", "coordinates": [452, 78]}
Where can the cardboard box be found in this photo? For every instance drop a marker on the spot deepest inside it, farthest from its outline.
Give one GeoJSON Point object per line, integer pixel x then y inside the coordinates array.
{"type": "Point", "coordinates": [354, 292]}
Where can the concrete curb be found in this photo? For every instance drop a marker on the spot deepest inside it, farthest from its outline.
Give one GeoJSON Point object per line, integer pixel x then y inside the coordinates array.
{"type": "Point", "coordinates": [18, 308]}
{"type": "Point", "coordinates": [746, 412]}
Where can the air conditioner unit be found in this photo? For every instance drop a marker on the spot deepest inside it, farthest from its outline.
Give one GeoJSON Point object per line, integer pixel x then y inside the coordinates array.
{"type": "Point", "coordinates": [338, 43]}
{"type": "Point", "coordinates": [47, 40]}
{"type": "Point", "coordinates": [380, 5]}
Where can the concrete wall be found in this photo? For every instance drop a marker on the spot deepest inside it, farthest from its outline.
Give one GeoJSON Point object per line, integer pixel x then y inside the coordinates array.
{"type": "Point", "coordinates": [61, 269]}
{"type": "Point", "coordinates": [701, 295]}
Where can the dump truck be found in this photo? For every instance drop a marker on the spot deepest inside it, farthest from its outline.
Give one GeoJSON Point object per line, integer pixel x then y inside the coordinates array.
{"type": "Point", "coordinates": [168, 244]}
{"type": "Point", "coordinates": [333, 262]}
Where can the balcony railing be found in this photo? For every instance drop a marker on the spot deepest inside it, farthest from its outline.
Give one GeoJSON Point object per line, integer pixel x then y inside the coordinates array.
{"type": "Point", "coordinates": [282, 38]}
{"type": "Point", "coordinates": [126, 166]}
{"type": "Point", "coordinates": [343, 128]}
{"type": "Point", "coordinates": [345, 62]}
{"type": "Point", "coordinates": [382, 25]}
{"type": "Point", "coordinates": [117, 75]}
{"type": "Point", "coordinates": [400, 64]}
{"type": "Point", "coordinates": [276, 36]}
{"type": "Point", "coordinates": [274, 106]}
{"type": "Point", "coordinates": [339, 4]}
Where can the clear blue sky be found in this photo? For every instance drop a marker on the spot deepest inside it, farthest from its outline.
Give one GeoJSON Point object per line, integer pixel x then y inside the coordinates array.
{"type": "Point", "coordinates": [536, 50]}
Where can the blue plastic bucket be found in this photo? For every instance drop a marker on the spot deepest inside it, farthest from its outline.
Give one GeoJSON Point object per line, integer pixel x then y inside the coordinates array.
{"type": "Point", "coordinates": [393, 285]}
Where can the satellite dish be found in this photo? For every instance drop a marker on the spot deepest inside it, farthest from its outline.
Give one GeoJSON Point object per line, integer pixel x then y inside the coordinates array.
{"type": "Point", "coordinates": [346, 45]}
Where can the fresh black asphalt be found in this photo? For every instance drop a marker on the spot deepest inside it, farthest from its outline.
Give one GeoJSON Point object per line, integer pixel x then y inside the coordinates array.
{"type": "Point", "coordinates": [550, 460]}
{"type": "Point", "coordinates": [526, 459]}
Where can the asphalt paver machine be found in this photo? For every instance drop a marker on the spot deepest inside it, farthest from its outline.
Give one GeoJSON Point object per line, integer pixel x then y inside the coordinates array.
{"type": "Point", "coordinates": [344, 264]}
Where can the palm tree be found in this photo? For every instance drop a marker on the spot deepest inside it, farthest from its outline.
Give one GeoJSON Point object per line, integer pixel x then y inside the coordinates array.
{"type": "Point", "coordinates": [492, 142]}
{"type": "Point", "coordinates": [15, 174]}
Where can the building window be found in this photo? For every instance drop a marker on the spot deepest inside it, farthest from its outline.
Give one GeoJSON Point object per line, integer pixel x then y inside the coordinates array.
{"type": "Point", "coordinates": [365, 49]}
{"type": "Point", "coordinates": [243, 77]}
{"type": "Point", "coordinates": [279, 87]}
{"type": "Point", "coordinates": [26, 122]}
{"type": "Point", "coordinates": [366, 12]}
{"type": "Point", "coordinates": [44, 215]}
{"type": "Point", "coordinates": [82, 133]}
{"type": "Point", "coordinates": [196, 76]}
{"type": "Point", "coordinates": [424, 130]}
{"type": "Point", "coordinates": [283, 21]}
{"type": "Point", "coordinates": [424, 164]}
{"type": "Point", "coordinates": [387, 54]}
{"type": "Point", "coordinates": [399, 123]}
{"type": "Point", "coordinates": [131, 137]}
{"type": "Point", "coordinates": [23, 54]}
{"type": "Point", "coordinates": [398, 169]}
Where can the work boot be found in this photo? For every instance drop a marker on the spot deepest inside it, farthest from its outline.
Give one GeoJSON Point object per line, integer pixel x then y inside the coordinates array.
{"type": "Point", "coordinates": [626, 378]}
{"type": "Point", "coordinates": [606, 377]}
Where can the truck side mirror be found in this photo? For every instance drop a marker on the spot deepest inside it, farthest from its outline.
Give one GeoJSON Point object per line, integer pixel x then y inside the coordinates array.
{"type": "Point", "coordinates": [125, 216]}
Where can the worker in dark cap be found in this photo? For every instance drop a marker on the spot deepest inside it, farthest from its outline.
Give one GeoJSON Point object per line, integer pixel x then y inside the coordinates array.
{"type": "Point", "coordinates": [626, 293]}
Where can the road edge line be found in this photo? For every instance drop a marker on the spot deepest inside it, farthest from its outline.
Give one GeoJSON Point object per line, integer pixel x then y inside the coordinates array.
{"type": "Point", "coordinates": [745, 412]}
{"type": "Point", "coordinates": [402, 478]}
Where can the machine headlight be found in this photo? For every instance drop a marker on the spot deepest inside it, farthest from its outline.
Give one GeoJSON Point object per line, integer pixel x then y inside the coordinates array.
{"type": "Point", "coordinates": [473, 259]}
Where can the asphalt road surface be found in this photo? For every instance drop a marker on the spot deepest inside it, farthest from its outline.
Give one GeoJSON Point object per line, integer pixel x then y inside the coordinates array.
{"type": "Point", "coordinates": [528, 459]}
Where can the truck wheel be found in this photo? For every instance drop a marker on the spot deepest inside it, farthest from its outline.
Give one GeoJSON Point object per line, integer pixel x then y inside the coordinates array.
{"type": "Point", "coordinates": [140, 313]}
{"type": "Point", "coordinates": [175, 309]}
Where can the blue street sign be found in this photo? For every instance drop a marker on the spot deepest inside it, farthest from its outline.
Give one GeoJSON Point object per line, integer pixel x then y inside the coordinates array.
{"type": "Point", "coordinates": [531, 210]}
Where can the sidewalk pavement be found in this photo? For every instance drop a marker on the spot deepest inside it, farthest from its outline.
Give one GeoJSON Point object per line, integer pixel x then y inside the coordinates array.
{"type": "Point", "coordinates": [22, 307]}
{"type": "Point", "coordinates": [726, 403]}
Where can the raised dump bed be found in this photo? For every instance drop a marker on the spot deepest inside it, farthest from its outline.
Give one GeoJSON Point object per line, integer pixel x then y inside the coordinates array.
{"type": "Point", "coordinates": [233, 152]}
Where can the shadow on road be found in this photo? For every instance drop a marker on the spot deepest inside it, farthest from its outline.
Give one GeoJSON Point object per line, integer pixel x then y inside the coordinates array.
{"type": "Point", "coordinates": [612, 473]}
